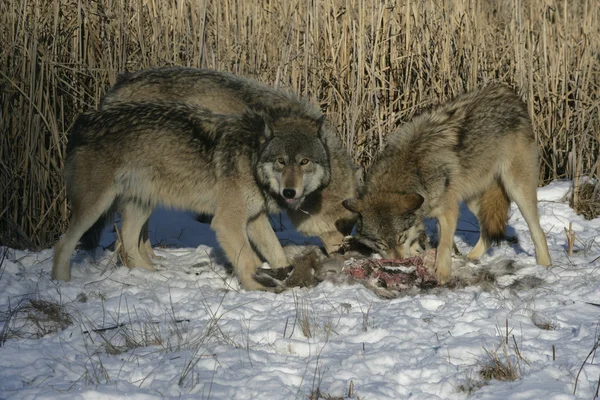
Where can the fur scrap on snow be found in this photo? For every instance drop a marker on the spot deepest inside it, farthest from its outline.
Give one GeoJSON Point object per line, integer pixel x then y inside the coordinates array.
{"type": "Point", "coordinates": [384, 277]}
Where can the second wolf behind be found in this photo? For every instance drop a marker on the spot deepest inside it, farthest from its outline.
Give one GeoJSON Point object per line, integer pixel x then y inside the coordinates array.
{"type": "Point", "coordinates": [478, 148]}
{"type": "Point", "coordinates": [132, 157]}
{"type": "Point", "coordinates": [314, 213]}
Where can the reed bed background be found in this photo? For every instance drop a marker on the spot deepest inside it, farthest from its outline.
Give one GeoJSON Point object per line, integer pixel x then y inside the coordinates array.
{"type": "Point", "coordinates": [369, 64]}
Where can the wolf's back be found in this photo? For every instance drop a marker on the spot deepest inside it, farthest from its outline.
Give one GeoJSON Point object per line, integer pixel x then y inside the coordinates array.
{"type": "Point", "coordinates": [154, 140]}
{"type": "Point", "coordinates": [458, 145]}
{"type": "Point", "coordinates": [219, 91]}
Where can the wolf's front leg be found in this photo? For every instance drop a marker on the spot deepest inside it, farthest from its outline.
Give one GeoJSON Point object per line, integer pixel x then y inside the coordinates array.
{"type": "Point", "coordinates": [331, 241]}
{"type": "Point", "coordinates": [446, 228]}
{"type": "Point", "coordinates": [231, 228]}
{"type": "Point", "coordinates": [261, 234]}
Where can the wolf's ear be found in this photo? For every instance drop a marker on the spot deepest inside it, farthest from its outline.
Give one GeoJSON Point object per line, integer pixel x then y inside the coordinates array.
{"type": "Point", "coordinates": [321, 126]}
{"type": "Point", "coordinates": [267, 127]}
{"type": "Point", "coordinates": [268, 131]}
{"type": "Point", "coordinates": [402, 203]}
{"type": "Point", "coordinates": [354, 205]}
{"type": "Point", "coordinates": [259, 123]}
{"type": "Point", "coordinates": [359, 174]}
{"type": "Point", "coordinates": [410, 202]}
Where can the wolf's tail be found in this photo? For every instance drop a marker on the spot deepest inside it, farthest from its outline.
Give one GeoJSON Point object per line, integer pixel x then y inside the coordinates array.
{"type": "Point", "coordinates": [91, 237]}
{"type": "Point", "coordinates": [493, 212]}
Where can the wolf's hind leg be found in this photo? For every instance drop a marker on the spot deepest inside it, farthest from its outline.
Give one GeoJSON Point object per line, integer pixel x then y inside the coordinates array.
{"type": "Point", "coordinates": [145, 245]}
{"type": "Point", "coordinates": [133, 219]}
{"type": "Point", "coordinates": [263, 237]}
{"type": "Point", "coordinates": [85, 211]}
{"type": "Point", "coordinates": [146, 249]}
{"type": "Point", "coordinates": [482, 244]}
{"type": "Point", "coordinates": [521, 185]}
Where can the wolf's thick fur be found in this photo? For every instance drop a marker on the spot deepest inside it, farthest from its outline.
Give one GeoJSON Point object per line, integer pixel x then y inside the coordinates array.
{"type": "Point", "coordinates": [314, 213]}
{"type": "Point", "coordinates": [478, 148]}
{"type": "Point", "coordinates": [134, 156]}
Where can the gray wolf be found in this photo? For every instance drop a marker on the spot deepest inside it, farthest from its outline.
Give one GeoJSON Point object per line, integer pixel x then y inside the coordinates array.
{"type": "Point", "coordinates": [313, 203]}
{"type": "Point", "coordinates": [478, 148]}
{"type": "Point", "coordinates": [132, 157]}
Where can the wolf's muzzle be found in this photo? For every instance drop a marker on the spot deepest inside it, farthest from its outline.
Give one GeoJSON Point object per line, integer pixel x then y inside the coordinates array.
{"type": "Point", "coordinates": [289, 193]}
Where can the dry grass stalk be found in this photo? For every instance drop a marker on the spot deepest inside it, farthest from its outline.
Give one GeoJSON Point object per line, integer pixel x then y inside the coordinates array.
{"type": "Point", "coordinates": [570, 239]}
{"type": "Point", "coordinates": [591, 354]}
{"type": "Point", "coordinates": [499, 366]}
{"type": "Point", "coordinates": [305, 319]}
{"type": "Point", "coordinates": [369, 66]}
{"type": "Point", "coordinates": [119, 249]}
{"type": "Point", "coordinates": [504, 366]}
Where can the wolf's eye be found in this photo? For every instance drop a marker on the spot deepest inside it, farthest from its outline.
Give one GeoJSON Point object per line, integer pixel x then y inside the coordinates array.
{"type": "Point", "coordinates": [382, 245]}
{"type": "Point", "coordinates": [401, 238]}
{"type": "Point", "coordinates": [281, 161]}
{"type": "Point", "coordinates": [304, 161]}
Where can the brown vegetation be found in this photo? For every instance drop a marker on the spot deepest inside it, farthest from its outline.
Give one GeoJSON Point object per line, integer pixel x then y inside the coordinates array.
{"type": "Point", "coordinates": [371, 65]}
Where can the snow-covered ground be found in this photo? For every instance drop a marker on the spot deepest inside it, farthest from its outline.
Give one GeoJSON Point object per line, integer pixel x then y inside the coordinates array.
{"type": "Point", "coordinates": [188, 331]}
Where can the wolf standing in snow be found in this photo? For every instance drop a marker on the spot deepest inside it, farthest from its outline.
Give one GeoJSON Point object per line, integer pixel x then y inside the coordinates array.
{"type": "Point", "coordinates": [478, 148]}
{"type": "Point", "coordinates": [132, 157]}
{"type": "Point", "coordinates": [313, 203]}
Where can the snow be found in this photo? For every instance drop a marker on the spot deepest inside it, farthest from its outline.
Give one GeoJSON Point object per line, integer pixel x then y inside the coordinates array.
{"type": "Point", "coordinates": [189, 331]}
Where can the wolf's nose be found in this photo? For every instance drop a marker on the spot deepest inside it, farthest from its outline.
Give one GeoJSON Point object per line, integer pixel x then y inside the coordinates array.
{"type": "Point", "coordinates": [289, 193]}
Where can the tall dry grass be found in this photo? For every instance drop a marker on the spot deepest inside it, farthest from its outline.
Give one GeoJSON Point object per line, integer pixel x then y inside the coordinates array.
{"type": "Point", "coordinates": [370, 64]}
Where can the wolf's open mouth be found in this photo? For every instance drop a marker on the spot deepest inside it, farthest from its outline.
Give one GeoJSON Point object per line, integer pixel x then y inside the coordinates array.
{"type": "Point", "coordinates": [294, 203]}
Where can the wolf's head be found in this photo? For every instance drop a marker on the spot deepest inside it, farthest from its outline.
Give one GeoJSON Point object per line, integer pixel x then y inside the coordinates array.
{"type": "Point", "coordinates": [388, 223]}
{"type": "Point", "coordinates": [294, 161]}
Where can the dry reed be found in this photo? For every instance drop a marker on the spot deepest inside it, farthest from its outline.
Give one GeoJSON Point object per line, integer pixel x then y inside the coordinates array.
{"type": "Point", "coordinates": [370, 65]}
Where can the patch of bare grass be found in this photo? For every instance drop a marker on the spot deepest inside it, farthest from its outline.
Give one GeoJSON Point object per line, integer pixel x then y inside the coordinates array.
{"type": "Point", "coordinates": [503, 362]}
{"type": "Point", "coordinates": [308, 321]}
{"type": "Point", "coordinates": [586, 200]}
{"type": "Point", "coordinates": [139, 330]}
{"type": "Point", "coordinates": [470, 385]}
{"type": "Point", "coordinates": [33, 318]}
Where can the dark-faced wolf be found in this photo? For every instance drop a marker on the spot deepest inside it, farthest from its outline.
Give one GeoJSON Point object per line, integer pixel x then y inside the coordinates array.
{"type": "Point", "coordinates": [132, 157]}
{"type": "Point", "coordinates": [478, 148]}
{"type": "Point", "coordinates": [313, 202]}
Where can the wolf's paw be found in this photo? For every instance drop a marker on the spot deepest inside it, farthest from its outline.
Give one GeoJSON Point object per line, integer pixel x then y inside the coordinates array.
{"type": "Point", "coordinates": [352, 247]}
{"type": "Point", "coordinates": [301, 274]}
{"type": "Point", "coordinates": [465, 260]}
{"type": "Point", "coordinates": [141, 264]}
{"type": "Point", "coordinates": [61, 275]}
{"type": "Point", "coordinates": [474, 255]}
{"type": "Point", "coordinates": [442, 275]}
{"type": "Point", "coordinates": [262, 282]}
{"type": "Point", "coordinates": [273, 279]}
